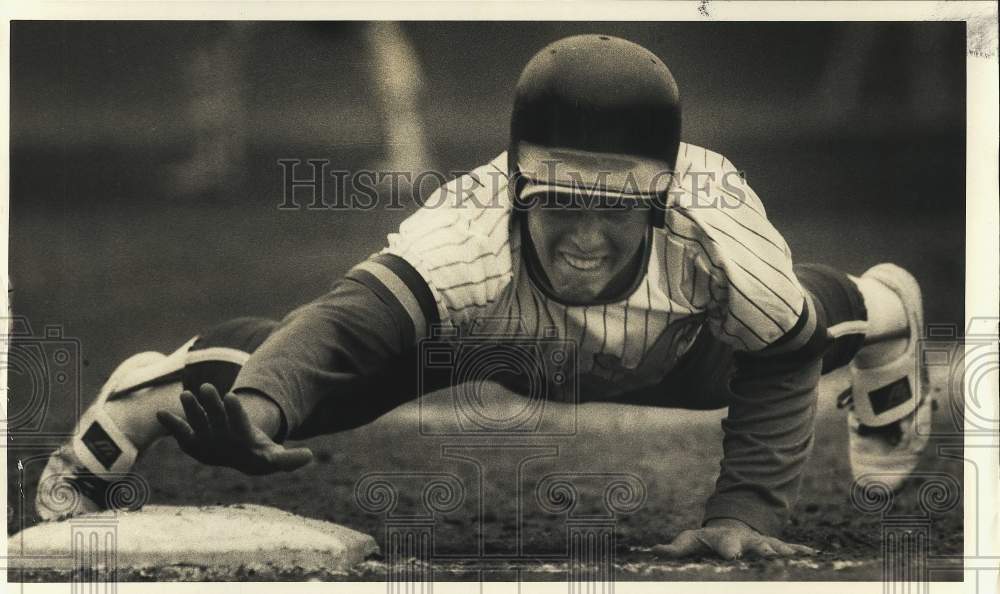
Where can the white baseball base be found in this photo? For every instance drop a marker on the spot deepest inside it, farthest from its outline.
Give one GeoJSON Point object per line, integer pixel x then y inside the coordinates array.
{"type": "Point", "coordinates": [224, 537]}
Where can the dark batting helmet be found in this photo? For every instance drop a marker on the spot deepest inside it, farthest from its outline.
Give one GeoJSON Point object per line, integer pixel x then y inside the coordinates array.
{"type": "Point", "coordinates": [598, 113]}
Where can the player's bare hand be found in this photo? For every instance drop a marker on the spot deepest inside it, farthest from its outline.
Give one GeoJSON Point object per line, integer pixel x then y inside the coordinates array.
{"type": "Point", "coordinates": [729, 539]}
{"type": "Point", "coordinates": [219, 432]}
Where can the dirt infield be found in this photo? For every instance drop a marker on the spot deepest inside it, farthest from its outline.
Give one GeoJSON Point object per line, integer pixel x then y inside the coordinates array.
{"type": "Point", "coordinates": [819, 569]}
{"type": "Point", "coordinates": [674, 454]}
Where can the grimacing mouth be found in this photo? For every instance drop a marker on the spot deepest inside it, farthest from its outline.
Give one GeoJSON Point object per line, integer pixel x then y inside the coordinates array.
{"type": "Point", "coordinates": [582, 263]}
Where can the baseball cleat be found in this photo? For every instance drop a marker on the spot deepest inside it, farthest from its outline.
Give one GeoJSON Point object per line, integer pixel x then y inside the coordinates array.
{"type": "Point", "coordinates": [90, 472]}
{"type": "Point", "coordinates": [889, 410]}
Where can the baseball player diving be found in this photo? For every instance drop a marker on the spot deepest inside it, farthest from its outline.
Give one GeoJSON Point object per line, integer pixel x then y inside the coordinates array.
{"type": "Point", "coordinates": [596, 225]}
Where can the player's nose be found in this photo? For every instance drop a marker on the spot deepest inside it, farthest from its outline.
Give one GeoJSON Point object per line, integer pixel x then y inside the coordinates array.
{"type": "Point", "coordinates": [589, 235]}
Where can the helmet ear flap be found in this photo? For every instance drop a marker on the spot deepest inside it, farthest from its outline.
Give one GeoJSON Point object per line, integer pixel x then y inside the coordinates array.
{"type": "Point", "coordinates": [516, 181]}
{"type": "Point", "coordinates": [659, 211]}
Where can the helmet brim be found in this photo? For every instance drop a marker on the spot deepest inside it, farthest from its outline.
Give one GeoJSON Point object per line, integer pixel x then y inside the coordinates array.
{"type": "Point", "coordinates": [564, 170]}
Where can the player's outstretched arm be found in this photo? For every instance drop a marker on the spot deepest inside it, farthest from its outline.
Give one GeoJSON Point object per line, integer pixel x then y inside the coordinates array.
{"type": "Point", "coordinates": [233, 431]}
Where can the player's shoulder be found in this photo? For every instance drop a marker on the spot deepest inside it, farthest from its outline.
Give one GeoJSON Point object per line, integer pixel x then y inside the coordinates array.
{"type": "Point", "coordinates": [692, 157]}
{"type": "Point", "coordinates": [459, 240]}
{"type": "Point", "coordinates": [707, 179]}
{"type": "Point", "coordinates": [742, 244]}
{"type": "Point", "coordinates": [712, 197]}
{"type": "Point", "coordinates": [467, 203]}
{"type": "Point", "coordinates": [482, 194]}
{"type": "Point", "coordinates": [484, 187]}
{"type": "Point", "coordinates": [462, 226]}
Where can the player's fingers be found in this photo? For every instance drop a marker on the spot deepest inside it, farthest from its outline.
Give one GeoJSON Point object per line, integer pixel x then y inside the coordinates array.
{"type": "Point", "coordinates": [240, 425]}
{"type": "Point", "coordinates": [196, 416]}
{"type": "Point", "coordinates": [686, 543]}
{"type": "Point", "coordinates": [760, 547]}
{"type": "Point", "coordinates": [179, 428]}
{"type": "Point", "coordinates": [211, 403]}
{"type": "Point", "coordinates": [782, 548]}
{"type": "Point", "coordinates": [801, 549]}
{"type": "Point", "coordinates": [672, 550]}
{"type": "Point", "coordinates": [288, 460]}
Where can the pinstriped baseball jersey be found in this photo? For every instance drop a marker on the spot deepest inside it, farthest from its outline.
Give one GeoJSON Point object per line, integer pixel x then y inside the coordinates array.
{"type": "Point", "coordinates": [717, 265]}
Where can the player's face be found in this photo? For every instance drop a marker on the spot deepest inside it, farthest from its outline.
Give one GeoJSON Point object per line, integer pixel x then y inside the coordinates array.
{"type": "Point", "coordinates": [584, 249]}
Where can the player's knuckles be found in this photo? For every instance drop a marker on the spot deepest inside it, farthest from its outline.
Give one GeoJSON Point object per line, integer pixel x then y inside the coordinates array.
{"type": "Point", "coordinates": [678, 547]}
{"type": "Point", "coordinates": [687, 540]}
{"type": "Point", "coordinates": [729, 545]}
{"type": "Point", "coordinates": [714, 538]}
{"type": "Point", "coordinates": [671, 549]}
{"type": "Point", "coordinates": [760, 548]}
